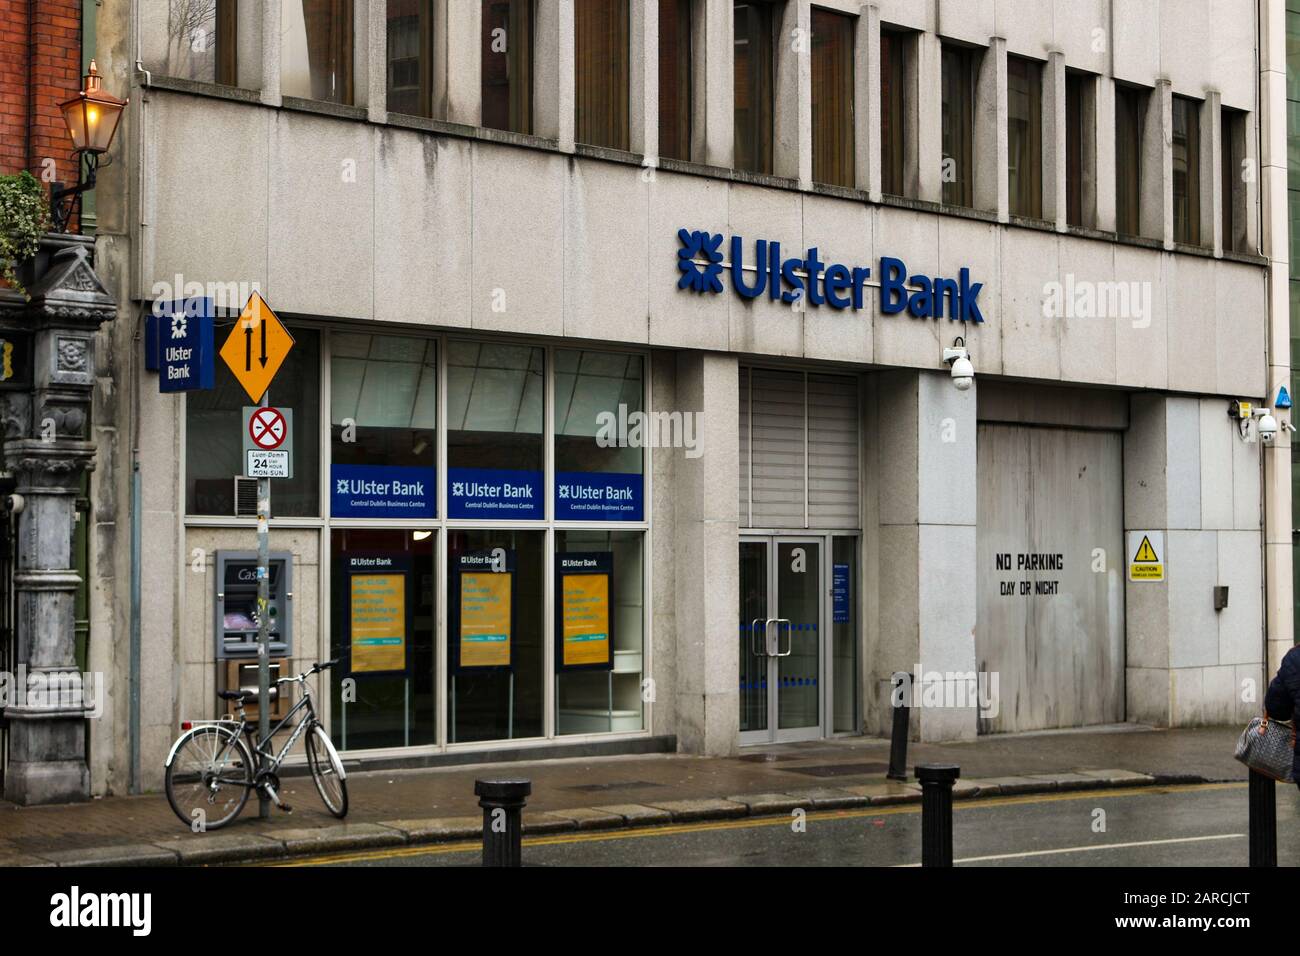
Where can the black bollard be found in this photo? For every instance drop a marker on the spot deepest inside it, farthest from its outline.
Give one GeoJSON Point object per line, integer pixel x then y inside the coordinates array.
{"type": "Point", "coordinates": [503, 825]}
{"type": "Point", "coordinates": [1263, 820]}
{"type": "Point", "coordinates": [902, 688]}
{"type": "Point", "coordinates": [936, 812]}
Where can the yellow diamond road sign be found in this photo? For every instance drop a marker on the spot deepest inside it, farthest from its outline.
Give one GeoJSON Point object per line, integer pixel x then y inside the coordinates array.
{"type": "Point", "coordinates": [1145, 556]}
{"type": "Point", "coordinates": [256, 347]}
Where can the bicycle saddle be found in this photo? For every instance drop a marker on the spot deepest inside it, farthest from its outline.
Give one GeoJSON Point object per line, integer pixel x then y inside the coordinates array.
{"type": "Point", "coordinates": [236, 695]}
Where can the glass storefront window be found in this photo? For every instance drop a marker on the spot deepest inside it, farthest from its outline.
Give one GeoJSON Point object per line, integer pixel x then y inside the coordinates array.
{"type": "Point", "coordinates": [495, 396]}
{"type": "Point", "coordinates": [599, 631]}
{"type": "Point", "coordinates": [495, 637]}
{"type": "Point", "coordinates": [383, 426]}
{"type": "Point", "coordinates": [382, 632]}
{"type": "Point", "coordinates": [214, 436]}
{"type": "Point", "coordinates": [192, 39]}
{"type": "Point", "coordinates": [600, 432]}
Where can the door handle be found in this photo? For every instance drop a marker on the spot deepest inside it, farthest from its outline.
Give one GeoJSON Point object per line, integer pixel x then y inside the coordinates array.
{"type": "Point", "coordinates": [788, 634]}
{"type": "Point", "coordinates": [753, 633]}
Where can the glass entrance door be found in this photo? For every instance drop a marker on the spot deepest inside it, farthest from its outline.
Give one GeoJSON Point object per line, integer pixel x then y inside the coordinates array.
{"type": "Point", "coordinates": [781, 605]}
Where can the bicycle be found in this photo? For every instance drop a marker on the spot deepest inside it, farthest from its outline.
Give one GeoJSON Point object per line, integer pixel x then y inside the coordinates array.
{"type": "Point", "coordinates": [210, 767]}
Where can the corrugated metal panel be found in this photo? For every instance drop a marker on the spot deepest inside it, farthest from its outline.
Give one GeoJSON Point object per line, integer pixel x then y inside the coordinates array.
{"type": "Point", "coordinates": [778, 442]}
{"type": "Point", "coordinates": [1058, 650]}
{"type": "Point", "coordinates": [832, 451]}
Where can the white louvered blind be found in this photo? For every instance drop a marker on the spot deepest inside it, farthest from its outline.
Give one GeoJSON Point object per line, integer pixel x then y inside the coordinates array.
{"type": "Point", "coordinates": [832, 452]}
{"type": "Point", "coordinates": [798, 450]}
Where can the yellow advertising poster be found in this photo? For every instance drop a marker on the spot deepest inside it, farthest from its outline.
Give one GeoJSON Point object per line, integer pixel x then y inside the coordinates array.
{"type": "Point", "coordinates": [586, 619]}
{"type": "Point", "coordinates": [378, 622]}
{"type": "Point", "coordinates": [485, 618]}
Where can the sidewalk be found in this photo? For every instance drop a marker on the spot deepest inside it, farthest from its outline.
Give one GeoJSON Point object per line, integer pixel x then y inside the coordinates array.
{"type": "Point", "coordinates": [421, 806]}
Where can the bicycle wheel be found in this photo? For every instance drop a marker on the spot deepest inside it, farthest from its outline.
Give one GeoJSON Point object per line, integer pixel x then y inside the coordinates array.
{"type": "Point", "coordinates": [209, 777]}
{"type": "Point", "coordinates": [327, 772]}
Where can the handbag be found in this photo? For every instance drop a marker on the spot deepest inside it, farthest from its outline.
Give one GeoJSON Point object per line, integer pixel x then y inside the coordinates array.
{"type": "Point", "coordinates": [1268, 747]}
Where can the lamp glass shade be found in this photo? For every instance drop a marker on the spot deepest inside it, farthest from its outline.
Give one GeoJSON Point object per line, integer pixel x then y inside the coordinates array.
{"type": "Point", "coordinates": [92, 116]}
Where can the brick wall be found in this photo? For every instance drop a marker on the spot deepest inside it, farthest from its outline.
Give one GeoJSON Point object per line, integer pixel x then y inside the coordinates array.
{"type": "Point", "coordinates": [40, 67]}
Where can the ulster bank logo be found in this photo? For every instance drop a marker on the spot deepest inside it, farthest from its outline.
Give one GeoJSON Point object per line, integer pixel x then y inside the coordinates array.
{"type": "Point", "coordinates": [700, 276]}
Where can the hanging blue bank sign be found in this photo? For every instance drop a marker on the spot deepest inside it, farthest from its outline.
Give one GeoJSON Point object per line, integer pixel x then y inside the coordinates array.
{"type": "Point", "coordinates": [383, 491]}
{"type": "Point", "coordinates": [587, 496]}
{"type": "Point", "coordinates": [498, 493]}
{"type": "Point", "coordinates": [179, 339]}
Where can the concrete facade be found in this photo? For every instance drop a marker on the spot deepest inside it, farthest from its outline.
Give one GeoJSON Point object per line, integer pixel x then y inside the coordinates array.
{"type": "Point", "coordinates": [352, 216]}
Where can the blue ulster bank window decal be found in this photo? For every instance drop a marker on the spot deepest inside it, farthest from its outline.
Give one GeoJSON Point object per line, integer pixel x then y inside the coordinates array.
{"type": "Point", "coordinates": [594, 496]}
{"type": "Point", "coordinates": [494, 493]}
{"type": "Point", "coordinates": [382, 491]}
{"type": "Point", "coordinates": [821, 283]}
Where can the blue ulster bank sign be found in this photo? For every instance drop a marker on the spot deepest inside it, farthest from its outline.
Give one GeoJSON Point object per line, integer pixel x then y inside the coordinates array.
{"type": "Point", "coordinates": [820, 283]}
{"type": "Point", "coordinates": [179, 344]}
{"type": "Point", "coordinates": [382, 491]}
{"type": "Point", "coordinates": [599, 496]}
{"type": "Point", "coordinates": [499, 493]}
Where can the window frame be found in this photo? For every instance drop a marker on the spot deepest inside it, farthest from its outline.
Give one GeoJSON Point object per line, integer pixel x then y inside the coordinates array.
{"type": "Point", "coordinates": [893, 135]}
{"type": "Point", "coordinates": [520, 59]}
{"type": "Point", "coordinates": [1031, 177]}
{"type": "Point", "coordinates": [839, 123]}
{"type": "Point", "coordinates": [441, 527]}
{"type": "Point", "coordinates": [1187, 226]}
{"type": "Point", "coordinates": [1129, 214]}
{"type": "Point", "coordinates": [958, 144]}
{"type": "Point", "coordinates": [762, 77]}
{"type": "Point", "coordinates": [615, 100]}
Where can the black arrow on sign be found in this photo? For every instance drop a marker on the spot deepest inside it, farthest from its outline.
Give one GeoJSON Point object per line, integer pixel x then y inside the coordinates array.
{"type": "Point", "coordinates": [264, 343]}
{"type": "Point", "coordinates": [248, 348]}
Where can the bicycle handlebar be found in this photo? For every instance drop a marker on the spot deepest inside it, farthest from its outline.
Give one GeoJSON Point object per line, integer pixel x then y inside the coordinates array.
{"type": "Point", "coordinates": [315, 669]}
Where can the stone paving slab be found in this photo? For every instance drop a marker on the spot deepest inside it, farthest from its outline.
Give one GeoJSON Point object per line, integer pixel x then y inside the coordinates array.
{"type": "Point", "coordinates": [829, 798]}
{"type": "Point", "coordinates": [203, 848]}
{"type": "Point", "coordinates": [1120, 778]}
{"type": "Point", "coordinates": [14, 860]}
{"type": "Point", "coordinates": [126, 854]}
{"type": "Point", "coordinates": [1011, 785]}
{"type": "Point", "coordinates": [344, 836]}
{"type": "Point", "coordinates": [686, 810]}
{"type": "Point", "coordinates": [548, 821]}
{"type": "Point", "coordinates": [887, 792]}
{"type": "Point", "coordinates": [437, 829]}
{"type": "Point", "coordinates": [590, 818]}
{"type": "Point", "coordinates": [767, 804]}
{"type": "Point", "coordinates": [1066, 781]}
{"type": "Point", "coordinates": [638, 815]}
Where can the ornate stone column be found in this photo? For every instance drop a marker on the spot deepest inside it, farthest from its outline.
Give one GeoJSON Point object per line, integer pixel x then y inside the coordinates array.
{"type": "Point", "coordinates": [47, 450]}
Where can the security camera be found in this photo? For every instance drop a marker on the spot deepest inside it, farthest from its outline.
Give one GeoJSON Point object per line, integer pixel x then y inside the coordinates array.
{"type": "Point", "coordinates": [1267, 427]}
{"type": "Point", "coordinates": [963, 372]}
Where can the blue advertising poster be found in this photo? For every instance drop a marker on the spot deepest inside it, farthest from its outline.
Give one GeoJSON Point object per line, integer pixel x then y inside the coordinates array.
{"type": "Point", "coordinates": [592, 496]}
{"type": "Point", "coordinates": [840, 593]}
{"type": "Point", "coordinates": [182, 339]}
{"type": "Point", "coordinates": [494, 493]}
{"type": "Point", "coordinates": [383, 491]}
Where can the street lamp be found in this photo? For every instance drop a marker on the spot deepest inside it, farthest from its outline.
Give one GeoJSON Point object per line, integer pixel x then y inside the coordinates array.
{"type": "Point", "coordinates": [91, 117]}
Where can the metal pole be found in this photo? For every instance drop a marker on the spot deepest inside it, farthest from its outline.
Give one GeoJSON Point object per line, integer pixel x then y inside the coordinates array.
{"type": "Point", "coordinates": [1263, 820]}
{"type": "Point", "coordinates": [134, 651]}
{"type": "Point", "coordinates": [902, 689]}
{"type": "Point", "coordinates": [936, 812]}
{"type": "Point", "coordinates": [503, 827]}
{"type": "Point", "coordinates": [263, 621]}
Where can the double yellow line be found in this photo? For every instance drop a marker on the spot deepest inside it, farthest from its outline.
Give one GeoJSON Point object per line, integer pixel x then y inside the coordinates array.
{"type": "Point", "coordinates": [745, 823]}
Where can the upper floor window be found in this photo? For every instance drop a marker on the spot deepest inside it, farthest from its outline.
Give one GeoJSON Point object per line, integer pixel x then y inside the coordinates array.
{"type": "Point", "coordinates": [1025, 137]}
{"type": "Point", "coordinates": [1187, 170]}
{"type": "Point", "coordinates": [316, 57]}
{"type": "Point", "coordinates": [1233, 185]}
{"type": "Point", "coordinates": [191, 39]}
{"type": "Point", "coordinates": [832, 97]}
{"type": "Point", "coordinates": [1130, 123]}
{"type": "Point", "coordinates": [675, 79]}
{"type": "Point", "coordinates": [1076, 131]}
{"type": "Point", "coordinates": [893, 110]}
{"type": "Point", "coordinates": [753, 39]}
{"type": "Point", "coordinates": [410, 57]}
{"type": "Point", "coordinates": [958, 109]}
{"type": "Point", "coordinates": [507, 65]}
{"type": "Point", "coordinates": [600, 79]}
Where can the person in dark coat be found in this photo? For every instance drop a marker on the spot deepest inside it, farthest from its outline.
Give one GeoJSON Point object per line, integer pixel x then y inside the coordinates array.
{"type": "Point", "coordinates": [1280, 703]}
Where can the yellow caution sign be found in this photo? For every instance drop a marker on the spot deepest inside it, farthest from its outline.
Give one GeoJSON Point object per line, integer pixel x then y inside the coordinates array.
{"type": "Point", "coordinates": [257, 347]}
{"type": "Point", "coordinates": [1145, 550]}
